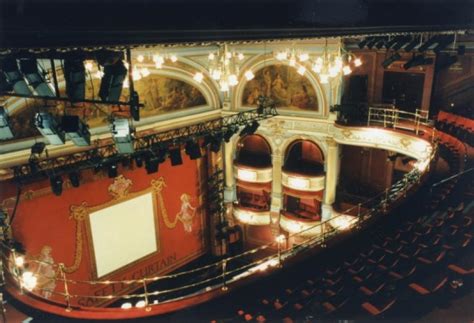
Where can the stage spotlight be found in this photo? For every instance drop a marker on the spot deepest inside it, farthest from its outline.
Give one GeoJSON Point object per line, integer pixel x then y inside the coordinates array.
{"type": "Point", "coordinates": [112, 170]}
{"type": "Point", "coordinates": [417, 60]}
{"type": "Point", "coordinates": [427, 44]}
{"type": "Point", "coordinates": [29, 68]}
{"type": "Point", "coordinates": [122, 134]}
{"type": "Point", "coordinates": [380, 43]}
{"type": "Point", "coordinates": [249, 129]}
{"type": "Point", "coordinates": [175, 156]}
{"type": "Point", "coordinates": [372, 42]}
{"type": "Point", "coordinates": [412, 44]}
{"type": "Point", "coordinates": [75, 77]}
{"type": "Point", "coordinates": [386, 63]}
{"type": "Point", "coordinates": [74, 179]}
{"type": "Point", "coordinates": [112, 82]}
{"type": "Point", "coordinates": [38, 148]}
{"type": "Point", "coordinates": [443, 43]}
{"type": "Point", "coordinates": [5, 129]}
{"type": "Point", "coordinates": [152, 164]}
{"type": "Point", "coordinates": [400, 42]}
{"type": "Point", "coordinates": [364, 42]}
{"type": "Point", "coordinates": [229, 132]}
{"type": "Point", "coordinates": [192, 149]}
{"type": "Point", "coordinates": [48, 127]}
{"type": "Point", "coordinates": [139, 161]}
{"type": "Point", "coordinates": [13, 76]}
{"type": "Point", "coordinates": [214, 142]}
{"type": "Point", "coordinates": [77, 130]}
{"type": "Point", "coordinates": [56, 185]}
{"type": "Point", "coordinates": [392, 41]}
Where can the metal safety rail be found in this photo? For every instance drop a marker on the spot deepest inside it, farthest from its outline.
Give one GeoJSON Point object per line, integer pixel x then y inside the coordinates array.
{"type": "Point", "coordinates": [389, 116]}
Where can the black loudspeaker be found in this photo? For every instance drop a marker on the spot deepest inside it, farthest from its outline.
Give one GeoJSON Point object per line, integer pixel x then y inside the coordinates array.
{"type": "Point", "coordinates": [112, 82]}
{"type": "Point", "coordinates": [75, 77]}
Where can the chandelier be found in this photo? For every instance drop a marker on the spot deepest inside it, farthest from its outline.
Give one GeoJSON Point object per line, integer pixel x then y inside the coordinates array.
{"type": "Point", "coordinates": [224, 68]}
{"type": "Point", "coordinates": [328, 65]}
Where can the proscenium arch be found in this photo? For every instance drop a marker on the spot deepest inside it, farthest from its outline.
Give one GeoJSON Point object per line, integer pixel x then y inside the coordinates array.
{"type": "Point", "coordinates": [262, 61]}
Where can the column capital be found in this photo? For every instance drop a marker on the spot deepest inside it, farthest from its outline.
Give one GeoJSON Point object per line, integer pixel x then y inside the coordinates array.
{"type": "Point", "coordinates": [331, 142]}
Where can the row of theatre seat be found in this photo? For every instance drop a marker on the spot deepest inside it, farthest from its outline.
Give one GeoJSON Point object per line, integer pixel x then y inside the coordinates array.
{"type": "Point", "coordinates": [415, 262]}
{"type": "Point", "coordinates": [457, 126]}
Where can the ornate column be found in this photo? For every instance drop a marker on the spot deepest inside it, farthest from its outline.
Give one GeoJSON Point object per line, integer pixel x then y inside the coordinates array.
{"type": "Point", "coordinates": [229, 191]}
{"type": "Point", "coordinates": [277, 201]}
{"type": "Point", "coordinates": [332, 174]}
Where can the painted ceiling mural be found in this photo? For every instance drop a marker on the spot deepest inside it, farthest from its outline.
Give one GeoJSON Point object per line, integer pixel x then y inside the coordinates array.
{"type": "Point", "coordinates": [284, 85]}
{"type": "Point", "coordinates": [159, 95]}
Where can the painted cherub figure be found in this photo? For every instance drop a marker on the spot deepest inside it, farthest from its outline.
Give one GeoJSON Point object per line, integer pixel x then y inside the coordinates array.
{"type": "Point", "coordinates": [187, 213]}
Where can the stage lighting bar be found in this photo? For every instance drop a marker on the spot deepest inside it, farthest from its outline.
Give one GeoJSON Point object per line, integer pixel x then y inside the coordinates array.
{"type": "Point", "coordinates": [411, 45]}
{"type": "Point", "coordinates": [158, 143]}
{"type": "Point", "coordinates": [249, 129]}
{"type": "Point", "coordinates": [49, 128]}
{"type": "Point", "coordinates": [5, 128]}
{"type": "Point", "coordinates": [386, 63]}
{"type": "Point", "coordinates": [364, 42]}
{"type": "Point", "coordinates": [417, 60]}
{"type": "Point", "coordinates": [427, 44]}
{"type": "Point", "coordinates": [443, 43]}
{"type": "Point", "coordinates": [29, 68]}
{"type": "Point", "coordinates": [400, 42]}
{"type": "Point", "coordinates": [77, 130]}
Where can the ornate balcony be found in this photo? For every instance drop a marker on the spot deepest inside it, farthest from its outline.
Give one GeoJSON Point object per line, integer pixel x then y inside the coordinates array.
{"type": "Point", "coordinates": [253, 174]}
{"type": "Point", "coordinates": [302, 227]}
{"type": "Point", "coordinates": [301, 182]}
{"type": "Point", "coordinates": [251, 216]}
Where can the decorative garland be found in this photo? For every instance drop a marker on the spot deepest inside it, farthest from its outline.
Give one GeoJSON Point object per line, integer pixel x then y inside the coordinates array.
{"type": "Point", "coordinates": [158, 187]}
{"type": "Point", "coordinates": [78, 214]}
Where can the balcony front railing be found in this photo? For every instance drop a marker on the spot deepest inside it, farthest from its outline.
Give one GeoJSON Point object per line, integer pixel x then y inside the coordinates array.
{"type": "Point", "coordinates": [390, 117]}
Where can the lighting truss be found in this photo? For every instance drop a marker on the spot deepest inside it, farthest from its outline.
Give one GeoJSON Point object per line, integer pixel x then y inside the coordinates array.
{"type": "Point", "coordinates": [103, 155]}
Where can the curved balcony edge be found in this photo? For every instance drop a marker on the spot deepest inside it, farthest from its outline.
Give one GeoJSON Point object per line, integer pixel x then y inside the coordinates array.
{"type": "Point", "coordinates": [252, 217]}
{"type": "Point", "coordinates": [304, 228]}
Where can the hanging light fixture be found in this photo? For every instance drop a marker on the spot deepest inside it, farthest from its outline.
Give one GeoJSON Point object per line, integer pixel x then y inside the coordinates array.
{"type": "Point", "coordinates": [328, 65]}
{"type": "Point", "coordinates": [224, 68]}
